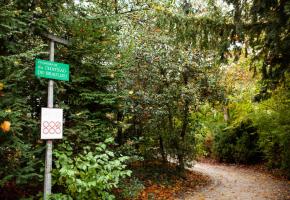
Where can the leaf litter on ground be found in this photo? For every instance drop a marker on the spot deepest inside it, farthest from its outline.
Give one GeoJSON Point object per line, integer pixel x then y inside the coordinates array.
{"type": "Point", "coordinates": [163, 181]}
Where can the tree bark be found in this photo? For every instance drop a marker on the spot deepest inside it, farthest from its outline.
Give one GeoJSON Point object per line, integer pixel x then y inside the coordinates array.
{"type": "Point", "coordinates": [116, 6]}
{"type": "Point", "coordinates": [119, 138]}
{"type": "Point", "coordinates": [162, 151]}
{"type": "Point", "coordinates": [170, 118]}
{"type": "Point", "coordinates": [180, 154]}
{"type": "Point", "coordinates": [226, 114]}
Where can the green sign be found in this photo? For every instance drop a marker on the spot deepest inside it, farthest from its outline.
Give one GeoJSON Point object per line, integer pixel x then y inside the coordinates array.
{"type": "Point", "coordinates": [51, 70]}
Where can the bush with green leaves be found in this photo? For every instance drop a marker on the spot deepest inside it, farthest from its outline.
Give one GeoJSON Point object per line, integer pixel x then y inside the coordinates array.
{"type": "Point", "coordinates": [238, 143]}
{"type": "Point", "coordinates": [273, 121]}
{"type": "Point", "coordinates": [90, 174]}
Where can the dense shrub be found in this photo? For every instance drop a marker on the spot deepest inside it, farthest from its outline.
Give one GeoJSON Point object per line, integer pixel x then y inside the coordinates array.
{"type": "Point", "coordinates": [272, 119]}
{"type": "Point", "coordinates": [91, 174]}
{"type": "Point", "coordinates": [237, 143]}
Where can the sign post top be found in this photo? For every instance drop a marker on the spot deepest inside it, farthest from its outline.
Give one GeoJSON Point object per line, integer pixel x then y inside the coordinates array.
{"type": "Point", "coordinates": [56, 39]}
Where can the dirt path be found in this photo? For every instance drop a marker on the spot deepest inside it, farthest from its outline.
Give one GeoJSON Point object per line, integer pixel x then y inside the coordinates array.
{"type": "Point", "coordinates": [237, 183]}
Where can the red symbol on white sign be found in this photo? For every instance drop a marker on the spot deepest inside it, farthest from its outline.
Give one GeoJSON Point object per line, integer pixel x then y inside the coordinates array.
{"type": "Point", "coordinates": [51, 123]}
{"type": "Point", "coordinates": [51, 127]}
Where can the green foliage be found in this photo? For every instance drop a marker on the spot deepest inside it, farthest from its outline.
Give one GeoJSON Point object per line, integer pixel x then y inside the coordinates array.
{"type": "Point", "coordinates": [269, 40]}
{"type": "Point", "coordinates": [203, 144]}
{"type": "Point", "coordinates": [60, 196]}
{"type": "Point", "coordinates": [147, 74]}
{"type": "Point", "coordinates": [166, 84]}
{"type": "Point", "coordinates": [20, 148]}
{"type": "Point", "coordinates": [86, 98]}
{"type": "Point", "coordinates": [206, 123]}
{"type": "Point", "coordinates": [238, 143]}
{"type": "Point", "coordinates": [91, 174]}
{"type": "Point", "coordinates": [272, 119]}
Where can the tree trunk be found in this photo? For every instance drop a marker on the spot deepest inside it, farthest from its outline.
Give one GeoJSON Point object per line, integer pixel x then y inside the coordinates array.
{"type": "Point", "coordinates": [164, 160]}
{"type": "Point", "coordinates": [119, 138]}
{"type": "Point", "coordinates": [116, 6]}
{"type": "Point", "coordinates": [180, 153]}
{"type": "Point", "coordinates": [185, 119]}
{"type": "Point", "coordinates": [226, 114]}
{"type": "Point", "coordinates": [181, 165]}
{"type": "Point", "coordinates": [170, 118]}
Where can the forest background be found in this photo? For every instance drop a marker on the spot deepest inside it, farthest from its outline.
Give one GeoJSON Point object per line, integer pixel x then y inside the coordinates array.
{"type": "Point", "coordinates": [149, 80]}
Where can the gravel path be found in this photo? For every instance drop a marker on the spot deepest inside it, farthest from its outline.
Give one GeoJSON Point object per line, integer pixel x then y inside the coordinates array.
{"type": "Point", "coordinates": [237, 183]}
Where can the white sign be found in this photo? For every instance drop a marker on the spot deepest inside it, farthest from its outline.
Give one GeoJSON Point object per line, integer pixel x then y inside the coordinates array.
{"type": "Point", "coordinates": [51, 123]}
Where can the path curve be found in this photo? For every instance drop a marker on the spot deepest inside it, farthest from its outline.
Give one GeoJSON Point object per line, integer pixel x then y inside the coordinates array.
{"type": "Point", "coordinates": [238, 183]}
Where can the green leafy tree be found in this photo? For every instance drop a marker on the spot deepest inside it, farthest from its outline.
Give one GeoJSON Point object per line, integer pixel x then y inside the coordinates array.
{"type": "Point", "coordinates": [21, 94]}
{"type": "Point", "coordinates": [166, 82]}
{"type": "Point", "coordinates": [86, 98]}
